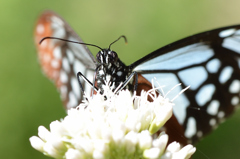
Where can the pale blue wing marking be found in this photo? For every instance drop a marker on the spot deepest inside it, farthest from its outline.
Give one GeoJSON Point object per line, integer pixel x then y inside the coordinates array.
{"type": "Point", "coordinates": [226, 74]}
{"type": "Point", "coordinates": [226, 33]}
{"type": "Point", "coordinates": [205, 94]}
{"type": "Point", "coordinates": [213, 107]}
{"type": "Point", "coordinates": [188, 55]}
{"type": "Point", "coordinates": [191, 128]}
{"type": "Point", "coordinates": [213, 65]}
{"type": "Point", "coordinates": [232, 43]}
{"type": "Point", "coordinates": [193, 77]}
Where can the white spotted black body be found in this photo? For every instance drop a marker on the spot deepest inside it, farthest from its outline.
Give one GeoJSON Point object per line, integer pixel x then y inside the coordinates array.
{"type": "Point", "coordinates": [111, 69]}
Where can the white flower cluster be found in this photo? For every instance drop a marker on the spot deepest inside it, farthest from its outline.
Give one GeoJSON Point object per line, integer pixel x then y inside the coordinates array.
{"type": "Point", "coordinates": [112, 126]}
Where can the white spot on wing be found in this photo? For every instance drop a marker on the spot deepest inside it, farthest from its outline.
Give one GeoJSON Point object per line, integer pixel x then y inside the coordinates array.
{"type": "Point", "coordinates": [225, 74]}
{"type": "Point", "coordinates": [75, 87]}
{"type": "Point", "coordinates": [212, 108]}
{"type": "Point", "coordinates": [73, 102]}
{"type": "Point", "coordinates": [235, 101]}
{"type": "Point", "coordinates": [212, 122]}
{"type": "Point", "coordinates": [221, 114]}
{"type": "Point", "coordinates": [226, 33]}
{"type": "Point", "coordinates": [58, 32]}
{"type": "Point", "coordinates": [70, 56]}
{"type": "Point", "coordinates": [205, 94]}
{"type": "Point", "coordinates": [235, 86]}
{"type": "Point", "coordinates": [57, 26]}
{"type": "Point", "coordinates": [40, 29]}
{"type": "Point", "coordinates": [63, 77]}
{"type": "Point", "coordinates": [57, 52]}
{"type": "Point", "coordinates": [63, 90]}
{"type": "Point", "coordinates": [199, 134]}
{"type": "Point", "coordinates": [57, 20]}
{"type": "Point", "coordinates": [78, 67]}
{"type": "Point", "coordinates": [55, 63]}
{"type": "Point", "coordinates": [213, 65]}
{"type": "Point", "coordinates": [191, 127]}
{"type": "Point", "coordinates": [193, 77]}
{"type": "Point", "coordinates": [65, 64]}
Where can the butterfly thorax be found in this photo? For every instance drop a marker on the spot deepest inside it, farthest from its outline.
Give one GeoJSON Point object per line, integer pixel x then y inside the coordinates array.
{"type": "Point", "coordinates": [110, 69]}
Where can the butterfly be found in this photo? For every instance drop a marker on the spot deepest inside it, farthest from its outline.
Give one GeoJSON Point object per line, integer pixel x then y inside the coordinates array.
{"type": "Point", "coordinates": [209, 62]}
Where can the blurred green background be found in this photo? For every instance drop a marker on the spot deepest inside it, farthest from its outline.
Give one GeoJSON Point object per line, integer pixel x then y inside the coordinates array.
{"type": "Point", "coordinates": [28, 99]}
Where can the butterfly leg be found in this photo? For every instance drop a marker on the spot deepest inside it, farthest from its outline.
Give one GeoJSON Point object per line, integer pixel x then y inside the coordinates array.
{"type": "Point", "coordinates": [94, 77]}
{"type": "Point", "coordinates": [128, 80]}
{"type": "Point", "coordinates": [136, 80]}
{"type": "Point", "coordinates": [79, 74]}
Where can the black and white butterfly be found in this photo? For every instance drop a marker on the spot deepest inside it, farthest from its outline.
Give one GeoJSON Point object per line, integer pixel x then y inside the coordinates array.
{"type": "Point", "coordinates": [209, 62]}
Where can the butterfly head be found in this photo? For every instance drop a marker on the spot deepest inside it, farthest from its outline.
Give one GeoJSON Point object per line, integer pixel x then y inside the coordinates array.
{"type": "Point", "coordinates": [110, 70]}
{"type": "Point", "coordinates": [107, 56]}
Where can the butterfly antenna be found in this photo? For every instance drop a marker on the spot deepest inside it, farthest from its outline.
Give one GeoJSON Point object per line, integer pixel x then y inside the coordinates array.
{"type": "Point", "coordinates": [118, 39]}
{"type": "Point", "coordinates": [69, 41]}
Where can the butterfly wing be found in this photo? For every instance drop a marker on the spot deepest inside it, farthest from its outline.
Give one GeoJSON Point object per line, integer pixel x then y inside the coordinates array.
{"type": "Point", "coordinates": [209, 62]}
{"type": "Point", "coordinates": [60, 60]}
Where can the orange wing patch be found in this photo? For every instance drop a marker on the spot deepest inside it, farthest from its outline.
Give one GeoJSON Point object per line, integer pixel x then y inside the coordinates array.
{"type": "Point", "coordinates": [49, 52]}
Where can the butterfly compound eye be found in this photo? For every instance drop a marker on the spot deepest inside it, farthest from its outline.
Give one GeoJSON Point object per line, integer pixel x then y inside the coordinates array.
{"type": "Point", "coordinates": [98, 56]}
{"type": "Point", "coordinates": [113, 56]}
